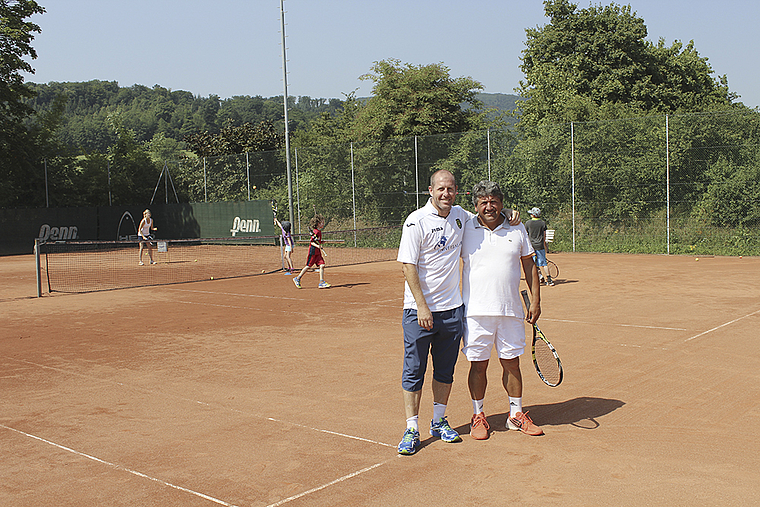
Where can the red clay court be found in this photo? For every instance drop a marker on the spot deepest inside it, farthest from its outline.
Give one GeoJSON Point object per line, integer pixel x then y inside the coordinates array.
{"type": "Point", "coordinates": [249, 392]}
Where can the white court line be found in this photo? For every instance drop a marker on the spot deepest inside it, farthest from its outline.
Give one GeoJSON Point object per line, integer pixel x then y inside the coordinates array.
{"type": "Point", "coordinates": [119, 467]}
{"type": "Point", "coordinates": [236, 307]}
{"type": "Point", "coordinates": [618, 325]}
{"type": "Point", "coordinates": [216, 293]}
{"type": "Point", "coordinates": [293, 312]}
{"type": "Point", "coordinates": [318, 488]}
{"type": "Point", "coordinates": [279, 298]}
{"type": "Point", "coordinates": [204, 403]}
{"type": "Point", "coordinates": [344, 435]}
{"type": "Point", "coordinates": [722, 325]}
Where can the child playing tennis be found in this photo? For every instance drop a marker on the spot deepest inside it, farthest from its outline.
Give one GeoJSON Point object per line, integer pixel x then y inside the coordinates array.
{"type": "Point", "coordinates": [287, 242]}
{"type": "Point", "coordinates": [316, 253]}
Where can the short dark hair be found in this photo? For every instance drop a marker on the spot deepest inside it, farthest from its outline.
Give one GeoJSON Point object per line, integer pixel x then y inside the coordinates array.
{"type": "Point", "coordinates": [486, 188]}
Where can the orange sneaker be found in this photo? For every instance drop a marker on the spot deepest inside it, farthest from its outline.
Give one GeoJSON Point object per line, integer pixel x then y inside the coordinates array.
{"type": "Point", "coordinates": [521, 422]}
{"type": "Point", "coordinates": [479, 427]}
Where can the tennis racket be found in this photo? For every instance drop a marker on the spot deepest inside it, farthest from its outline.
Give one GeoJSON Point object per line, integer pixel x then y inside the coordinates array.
{"type": "Point", "coordinates": [552, 269]}
{"type": "Point", "coordinates": [274, 209]}
{"type": "Point", "coordinates": [545, 358]}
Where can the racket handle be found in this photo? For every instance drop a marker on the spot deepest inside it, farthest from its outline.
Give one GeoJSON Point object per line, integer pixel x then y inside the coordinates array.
{"type": "Point", "coordinates": [526, 299]}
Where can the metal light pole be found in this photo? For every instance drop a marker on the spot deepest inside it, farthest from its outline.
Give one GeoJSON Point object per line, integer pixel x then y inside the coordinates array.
{"type": "Point", "coordinates": [285, 106]}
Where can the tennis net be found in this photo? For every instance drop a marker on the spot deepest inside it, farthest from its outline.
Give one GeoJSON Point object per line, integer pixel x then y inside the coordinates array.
{"type": "Point", "coordinates": [89, 266]}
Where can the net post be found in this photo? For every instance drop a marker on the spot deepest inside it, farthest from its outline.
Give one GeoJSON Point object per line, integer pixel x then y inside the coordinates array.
{"type": "Point", "coordinates": [37, 266]}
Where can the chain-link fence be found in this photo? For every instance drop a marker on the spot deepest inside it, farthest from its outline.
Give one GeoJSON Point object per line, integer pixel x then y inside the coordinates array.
{"type": "Point", "coordinates": [655, 184]}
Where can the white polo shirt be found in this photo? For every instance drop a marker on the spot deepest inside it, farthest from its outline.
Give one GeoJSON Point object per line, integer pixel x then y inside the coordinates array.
{"type": "Point", "coordinates": [491, 273]}
{"type": "Point", "coordinates": [433, 244]}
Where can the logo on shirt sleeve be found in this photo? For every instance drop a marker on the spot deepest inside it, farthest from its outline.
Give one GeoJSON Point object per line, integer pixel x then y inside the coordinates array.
{"type": "Point", "coordinates": [459, 223]}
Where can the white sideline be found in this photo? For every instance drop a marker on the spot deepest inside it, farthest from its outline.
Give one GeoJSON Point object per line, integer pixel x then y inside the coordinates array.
{"type": "Point", "coordinates": [204, 403]}
{"type": "Point", "coordinates": [318, 488]}
{"type": "Point", "coordinates": [180, 488]}
{"type": "Point", "coordinates": [119, 467]}
{"type": "Point", "coordinates": [617, 325]}
{"type": "Point", "coordinates": [722, 325]}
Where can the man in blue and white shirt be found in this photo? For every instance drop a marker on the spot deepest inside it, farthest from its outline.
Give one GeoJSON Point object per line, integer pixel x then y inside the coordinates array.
{"type": "Point", "coordinates": [433, 320]}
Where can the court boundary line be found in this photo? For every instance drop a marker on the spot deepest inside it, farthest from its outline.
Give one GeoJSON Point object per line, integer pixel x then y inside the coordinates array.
{"type": "Point", "coordinates": [204, 403]}
{"type": "Point", "coordinates": [187, 490]}
{"type": "Point", "coordinates": [721, 326]}
{"type": "Point", "coordinates": [236, 307]}
{"type": "Point", "coordinates": [327, 485]}
{"type": "Point", "coordinates": [662, 328]}
{"type": "Point", "coordinates": [289, 298]}
{"type": "Point", "coordinates": [119, 467]}
{"type": "Point", "coordinates": [233, 410]}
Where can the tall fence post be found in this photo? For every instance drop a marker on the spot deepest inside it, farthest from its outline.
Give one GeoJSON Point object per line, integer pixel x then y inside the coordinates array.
{"type": "Point", "coordinates": [667, 178]}
{"type": "Point", "coordinates": [298, 191]}
{"type": "Point", "coordinates": [37, 265]}
{"type": "Point", "coordinates": [572, 173]}
{"type": "Point", "coordinates": [47, 195]}
{"type": "Point", "coordinates": [205, 191]}
{"type": "Point", "coordinates": [416, 174]}
{"type": "Point", "coordinates": [353, 191]}
{"type": "Point", "coordinates": [109, 182]}
{"type": "Point", "coordinates": [488, 142]}
{"type": "Point", "coordinates": [248, 175]}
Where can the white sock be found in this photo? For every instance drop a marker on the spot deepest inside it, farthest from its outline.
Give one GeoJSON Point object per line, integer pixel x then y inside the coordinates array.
{"type": "Point", "coordinates": [477, 406]}
{"type": "Point", "coordinates": [439, 411]}
{"type": "Point", "coordinates": [515, 406]}
{"type": "Point", "coordinates": [413, 423]}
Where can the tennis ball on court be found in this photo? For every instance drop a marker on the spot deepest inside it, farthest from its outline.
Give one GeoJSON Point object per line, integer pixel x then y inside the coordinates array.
{"type": "Point", "coordinates": [263, 270]}
{"type": "Point", "coordinates": [212, 277]}
{"type": "Point", "coordinates": [696, 259]}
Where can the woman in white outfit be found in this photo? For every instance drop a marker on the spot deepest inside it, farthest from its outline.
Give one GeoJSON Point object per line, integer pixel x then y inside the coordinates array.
{"type": "Point", "coordinates": [143, 234]}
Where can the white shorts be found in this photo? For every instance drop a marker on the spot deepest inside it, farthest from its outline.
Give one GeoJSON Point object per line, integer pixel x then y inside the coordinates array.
{"type": "Point", "coordinates": [288, 248]}
{"type": "Point", "coordinates": [483, 332]}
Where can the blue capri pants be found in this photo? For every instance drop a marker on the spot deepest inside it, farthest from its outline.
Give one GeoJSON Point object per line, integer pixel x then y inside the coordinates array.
{"type": "Point", "coordinates": [441, 342]}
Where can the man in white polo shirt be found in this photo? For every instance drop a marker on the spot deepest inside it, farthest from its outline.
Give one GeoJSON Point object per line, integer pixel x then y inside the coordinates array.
{"type": "Point", "coordinates": [493, 252]}
{"type": "Point", "coordinates": [430, 249]}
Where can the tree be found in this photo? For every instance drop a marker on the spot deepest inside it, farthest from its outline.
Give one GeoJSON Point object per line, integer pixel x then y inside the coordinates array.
{"type": "Point", "coordinates": [16, 36]}
{"type": "Point", "coordinates": [377, 141]}
{"type": "Point", "coordinates": [232, 139]}
{"type": "Point", "coordinates": [133, 173]}
{"type": "Point", "coordinates": [410, 102]}
{"type": "Point", "coordinates": [16, 143]}
{"type": "Point", "coordinates": [588, 58]}
{"type": "Point", "coordinates": [595, 67]}
{"type": "Point", "coordinates": [417, 100]}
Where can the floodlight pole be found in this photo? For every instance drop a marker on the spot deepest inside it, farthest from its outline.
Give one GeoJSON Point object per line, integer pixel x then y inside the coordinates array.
{"type": "Point", "coordinates": [285, 107]}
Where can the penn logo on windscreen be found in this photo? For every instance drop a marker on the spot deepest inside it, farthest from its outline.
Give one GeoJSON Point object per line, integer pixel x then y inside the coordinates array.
{"type": "Point", "coordinates": [243, 225]}
{"type": "Point", "coordinates": [58, 233]}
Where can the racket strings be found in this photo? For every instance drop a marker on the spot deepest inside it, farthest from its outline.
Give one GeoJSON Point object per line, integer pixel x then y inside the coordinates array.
{"type": "Point", "coordinates": [546, 362]}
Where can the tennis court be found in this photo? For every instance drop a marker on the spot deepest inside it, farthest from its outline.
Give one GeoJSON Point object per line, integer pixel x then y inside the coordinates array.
{"type": "Point", "coordinates": [249, 392]}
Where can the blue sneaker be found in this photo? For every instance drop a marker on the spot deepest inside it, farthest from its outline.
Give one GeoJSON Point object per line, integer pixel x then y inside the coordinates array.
{"type": "Point", "coordinates": [444, 431]}
{"type": "Point", "coordinates": [410, 443]}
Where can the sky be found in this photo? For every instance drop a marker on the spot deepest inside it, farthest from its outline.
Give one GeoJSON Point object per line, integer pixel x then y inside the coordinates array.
{"type": "Point", "coordinates": [234, 47]}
